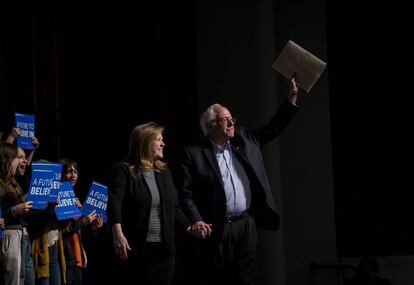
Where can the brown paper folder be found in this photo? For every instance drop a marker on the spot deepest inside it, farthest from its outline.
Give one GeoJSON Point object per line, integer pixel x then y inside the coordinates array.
{"type": "Point", "coordinates": [294, 59]}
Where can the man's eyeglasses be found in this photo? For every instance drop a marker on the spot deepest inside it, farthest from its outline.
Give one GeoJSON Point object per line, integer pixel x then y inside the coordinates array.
{"type": "Point", "coordinates": [226, 120]}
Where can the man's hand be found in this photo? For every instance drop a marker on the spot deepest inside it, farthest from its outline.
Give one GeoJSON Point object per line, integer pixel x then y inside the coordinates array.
{"type": "Point", "coordinates": [201, 230]}
{"type": "Point", "coordinates": [293, 91]}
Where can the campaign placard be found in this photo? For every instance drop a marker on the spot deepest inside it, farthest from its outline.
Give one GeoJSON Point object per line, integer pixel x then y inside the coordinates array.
{"type": "Point", "coordinates": [44, 184]}
{"type": "Point", "coordinates": [97, 199]}
{"type": "Point", "coordinates": [26, 123]}
{"type": "Point", "coordinates": [66, 203]}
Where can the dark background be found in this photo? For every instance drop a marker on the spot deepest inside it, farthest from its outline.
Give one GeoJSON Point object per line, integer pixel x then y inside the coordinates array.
{"type": "Point", "coordinates": [90, 73]}
{"type": "Point", "coordinates": [371, 56]}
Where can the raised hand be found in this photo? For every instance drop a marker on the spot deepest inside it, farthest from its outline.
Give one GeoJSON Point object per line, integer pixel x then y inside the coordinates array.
{"type": "Point", "coordinates": [35, 142]}
{"type": "Point", "coordinates": [293, 91]}
{"type": "Point", "coordinates": [14, 133]}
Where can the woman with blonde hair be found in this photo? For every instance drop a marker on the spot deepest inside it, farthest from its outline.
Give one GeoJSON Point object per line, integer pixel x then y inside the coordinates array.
{"type": "Point", "coordinates": [143, 209]}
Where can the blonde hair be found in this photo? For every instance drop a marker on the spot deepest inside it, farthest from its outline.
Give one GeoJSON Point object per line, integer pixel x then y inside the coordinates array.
{"type": "Point", "coordinates": [140, 156]}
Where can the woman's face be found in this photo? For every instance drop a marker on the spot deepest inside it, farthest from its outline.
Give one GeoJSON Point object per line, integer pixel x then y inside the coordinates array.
{"type": "Point", "coordinates": [71, 175]}
{"type": "Point", "coordinates": [14, 164]}
{"type": "Point", "coordinates": [21, 155]}
{"type": "Point", "coordinates": [158, 147]}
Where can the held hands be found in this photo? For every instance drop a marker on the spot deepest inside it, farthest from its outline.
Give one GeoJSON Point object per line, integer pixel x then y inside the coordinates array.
{"type": "Point", "coordinates": [2, 223]}
{"type": "Point", "coordinates": [200, 230]}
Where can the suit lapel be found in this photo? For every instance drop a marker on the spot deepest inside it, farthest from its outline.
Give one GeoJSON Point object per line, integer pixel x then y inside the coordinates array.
{"type": "Point", "coordinates": [240, 154]}
{"type": "Point", "coordinates": [208, 152]}
{"type": "Point", "coordinates": [160, 183]}
{"type": "Point", "coordinates": [239, 148]}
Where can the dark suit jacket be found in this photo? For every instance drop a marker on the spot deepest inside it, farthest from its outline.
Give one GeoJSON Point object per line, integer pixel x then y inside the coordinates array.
{"type": "Point", "coordinates": [130, 204]}
{"type": "Point", "coordinates": [201, 191]}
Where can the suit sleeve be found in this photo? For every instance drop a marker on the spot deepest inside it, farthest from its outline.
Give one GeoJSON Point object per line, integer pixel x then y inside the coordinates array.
{"type": "Point", "coordinates": [180, 219]}
{"type": "Point", "coordinates": [275, 126]}
{"type": "Point", "coordinates": [186, 189]}
{"type": "Point", "coordinates": [116, 193]}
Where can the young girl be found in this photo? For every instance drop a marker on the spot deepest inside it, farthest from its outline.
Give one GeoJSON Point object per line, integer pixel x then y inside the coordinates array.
{"type": "Point", "coordinates": [75, 254]}
{"type": "Point", "coordinates": [16, 262]}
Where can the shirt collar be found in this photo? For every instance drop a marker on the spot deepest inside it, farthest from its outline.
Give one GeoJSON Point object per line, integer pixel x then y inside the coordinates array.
{"type": "Point", "coordinates": [218, 149]}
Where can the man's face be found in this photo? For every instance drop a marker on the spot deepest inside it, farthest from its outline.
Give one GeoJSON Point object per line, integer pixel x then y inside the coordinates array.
{"type": "Point", "coordinates": [223, 129]}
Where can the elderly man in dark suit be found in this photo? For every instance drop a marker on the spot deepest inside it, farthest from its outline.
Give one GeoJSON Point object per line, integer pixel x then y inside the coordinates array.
{"type": "Point", "coordinates": [225, 192]}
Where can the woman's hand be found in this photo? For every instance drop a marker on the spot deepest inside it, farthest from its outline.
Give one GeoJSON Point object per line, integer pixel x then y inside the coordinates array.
{"type": "Point", "coordinates": [35, 142]}
{"type": "Point", "coordinates": [121, 245]}
{"type": "Point", "coordinates": [97, 224]}
{"type": "Point", "coordinates": [87, 220]}
{"type": "Point", "coordinates": [22, 208]}
{"type": "Point", "coordinates": [14, 133]}
{"type": "Point", "coordinates": [78, 203]}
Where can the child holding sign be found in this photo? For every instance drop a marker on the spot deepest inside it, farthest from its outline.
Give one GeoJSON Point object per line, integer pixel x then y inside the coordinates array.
{"type": "Point", "coordinates": [74, 251]}
{"type": "Point", "coordinates": [25, 157]}
{"type": "Point", "coordinates": [16, 261]}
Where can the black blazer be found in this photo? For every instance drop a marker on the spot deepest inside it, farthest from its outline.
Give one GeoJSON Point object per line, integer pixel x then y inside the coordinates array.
{"type": "Point", "coordinates": [201, 191]}
{"type": "Point", "coordinates": [130, 204]}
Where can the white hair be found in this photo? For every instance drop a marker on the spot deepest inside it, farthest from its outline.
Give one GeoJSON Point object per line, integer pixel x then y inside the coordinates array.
{"type": "Point", "coordinates": [208, 118]}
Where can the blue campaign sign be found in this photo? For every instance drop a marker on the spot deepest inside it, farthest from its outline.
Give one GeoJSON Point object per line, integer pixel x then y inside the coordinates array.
{"type": "Point", "coordinates": [44, 184]}
{"type": "Point", "coordinates": [66, 207]}
{"type": "Point", "coordinates": [97, 199]}
{"type": "Point", "coordinates": [26, 123]}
